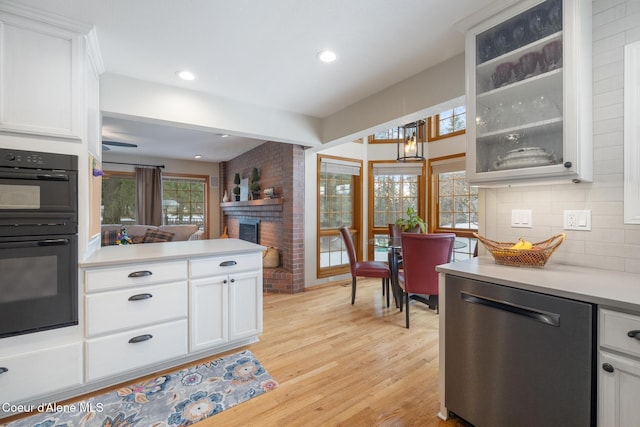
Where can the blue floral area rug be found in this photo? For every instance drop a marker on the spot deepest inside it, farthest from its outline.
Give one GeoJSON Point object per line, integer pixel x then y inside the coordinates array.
{"type": "Point", "coordinates": [180, 398]}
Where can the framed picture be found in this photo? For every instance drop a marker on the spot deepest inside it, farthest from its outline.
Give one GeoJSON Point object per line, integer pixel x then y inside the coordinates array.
{"type": "Point", "coordinates": [269, 192]}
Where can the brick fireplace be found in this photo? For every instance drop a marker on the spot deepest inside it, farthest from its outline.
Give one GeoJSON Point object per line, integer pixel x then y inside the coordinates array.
{"type": "Point", "coordinates": [281, 219]}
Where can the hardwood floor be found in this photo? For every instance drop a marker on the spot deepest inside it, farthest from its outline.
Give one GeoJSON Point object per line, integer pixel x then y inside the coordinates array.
{"type": "Point", "coordinates": [343, 365]}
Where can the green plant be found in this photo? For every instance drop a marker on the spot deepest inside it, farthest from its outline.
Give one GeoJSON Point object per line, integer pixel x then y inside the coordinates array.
{"type": "Point", "coordinates": [254, 181]}
{"type": "Point", "coordinates": [411, 221]}
{"type": "Point", "coordinates": [236, 181]}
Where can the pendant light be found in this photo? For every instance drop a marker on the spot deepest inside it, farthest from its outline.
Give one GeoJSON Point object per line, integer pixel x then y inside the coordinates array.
{"type": "Point", "coordinates": [411, 142]}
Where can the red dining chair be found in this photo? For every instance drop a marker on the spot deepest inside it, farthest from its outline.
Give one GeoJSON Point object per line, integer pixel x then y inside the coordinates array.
{"type": "Point", "coordinates": [364, 268]}
{"type": "Point", "coordinates": [418, 279]}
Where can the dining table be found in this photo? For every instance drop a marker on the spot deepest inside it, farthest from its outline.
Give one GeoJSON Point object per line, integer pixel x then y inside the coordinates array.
{"type": "Point", "coordinates": [394, 250]}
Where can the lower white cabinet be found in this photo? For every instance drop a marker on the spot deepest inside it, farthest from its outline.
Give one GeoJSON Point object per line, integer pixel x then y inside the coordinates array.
{"type": "Point", "coordinates": [126, 351]}
{"type": "Point", "coordinates": [618, 369]}
{"type": "Point", "coordinates": [40, 372]}
{"type": "Point", "coordinates": [225, 300]}
{"type": "Point", "coordinates": [209, 313]}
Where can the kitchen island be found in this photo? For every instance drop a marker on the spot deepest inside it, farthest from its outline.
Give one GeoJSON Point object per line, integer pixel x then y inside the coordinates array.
{"type": "Point", "coordinates": [613, 345]}
{"type": "Point", "coordinates": [142, 308]}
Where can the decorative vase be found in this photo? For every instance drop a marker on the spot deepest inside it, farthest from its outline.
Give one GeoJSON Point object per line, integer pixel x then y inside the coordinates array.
{"type": "Point", "coordinates": [225, 197]}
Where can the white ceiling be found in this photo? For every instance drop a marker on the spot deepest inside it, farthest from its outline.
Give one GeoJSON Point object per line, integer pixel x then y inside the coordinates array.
{"type": "Point", "coordinates": [263, 52]}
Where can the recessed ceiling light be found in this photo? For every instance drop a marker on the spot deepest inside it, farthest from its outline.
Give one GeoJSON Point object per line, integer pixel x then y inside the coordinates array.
{"type": "Point", "coordinates": [197, 156]}
{"type": "Point", "coordinates": [186, 75]}
{"type": "Point", "coordinates": [327, 56]}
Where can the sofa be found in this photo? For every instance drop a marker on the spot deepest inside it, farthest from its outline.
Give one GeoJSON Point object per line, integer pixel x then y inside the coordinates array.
{"type": "Point", "coordinates": [150, 233]}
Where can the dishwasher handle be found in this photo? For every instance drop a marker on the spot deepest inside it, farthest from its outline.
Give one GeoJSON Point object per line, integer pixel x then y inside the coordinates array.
{"type": "Point", "coordinates": [552, 319]}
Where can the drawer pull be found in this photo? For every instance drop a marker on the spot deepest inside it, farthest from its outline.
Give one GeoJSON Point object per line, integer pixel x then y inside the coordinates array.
{"type": "Point", "coordinates": [141, 273]}
{"type": "Point", "coordinates": [228, 263]}
{"type": "Point", "coordinates": [608, 367]}
{"type": "Point", "coordinates": [3, 370]}
{"type": "Point", "coordinates": [634, 334]}
{"type": "Point", "coordinates": [140, 338]}
{"type": "Point", "coordinates": [140, 297]}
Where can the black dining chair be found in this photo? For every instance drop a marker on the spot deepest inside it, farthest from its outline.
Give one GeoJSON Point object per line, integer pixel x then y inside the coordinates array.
{"type": "Point", "coordinates": [364, 268]}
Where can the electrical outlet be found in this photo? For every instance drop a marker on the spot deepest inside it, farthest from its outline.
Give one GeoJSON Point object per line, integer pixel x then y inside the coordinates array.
{"type": "Point", "coordinates": [577, 220]}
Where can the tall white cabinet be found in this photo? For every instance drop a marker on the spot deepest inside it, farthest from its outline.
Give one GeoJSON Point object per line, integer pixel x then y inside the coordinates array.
{"type": "Point", "coordinates": [43, 74]}
{"type": "Point", "coordinates": [528, 81]}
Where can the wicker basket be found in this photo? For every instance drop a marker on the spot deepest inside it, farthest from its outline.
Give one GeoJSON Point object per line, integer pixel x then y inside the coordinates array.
{"type": "Point", "coordinates": [535, 257]}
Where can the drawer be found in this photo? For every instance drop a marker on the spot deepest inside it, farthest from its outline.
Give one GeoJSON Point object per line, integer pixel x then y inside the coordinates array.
{"type": "Point", "coordinates": [614, 331]}
{"type": "Point", "coordinates": [134, 275]}
{"type": "Point", "coordinates": [222, 265]}
{"type": "Point", "coordinates": [135, 307]}
{"type": "Point", "coordinates": [36, 373]}
{"type": "Point", "coordinates": [122, 352]}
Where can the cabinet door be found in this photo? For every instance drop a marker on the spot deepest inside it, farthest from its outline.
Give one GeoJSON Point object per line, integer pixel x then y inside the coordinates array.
{"type": "Point", "coordinates": [619, 388]}
{"type": "Point", "coordinates": [41, 86]}
{"type": "Point", "coordinates": [528, 90]}
{"type": "Point", "coordinates": [209, 326]}
{"type": "Point", "coordinates": [28, 375]}
{"type": "Point", "coordinates": [245, 304]}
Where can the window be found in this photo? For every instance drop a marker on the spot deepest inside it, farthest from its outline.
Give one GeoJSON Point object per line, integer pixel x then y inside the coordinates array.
{"type": "Point", "coordinates": [394, 187]}
{"type": "Point", "coordinates": [454, 204]}
{"type": "Point", "coordinates": [339, 201]}
{"type": "Point", "coordinates": [184, 199]}
{"type": "Point", "coordinates": [392, 135]}
{"type": "Point", "coordinates": [448, 123]}
{"type": "Point", "coordinates": [118, 198]}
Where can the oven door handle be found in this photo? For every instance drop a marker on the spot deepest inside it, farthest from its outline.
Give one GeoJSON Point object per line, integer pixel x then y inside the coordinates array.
{"type": "Point", "coordinates": [34, 243]}
{"type": "Point", "coordinates": [35, 176]}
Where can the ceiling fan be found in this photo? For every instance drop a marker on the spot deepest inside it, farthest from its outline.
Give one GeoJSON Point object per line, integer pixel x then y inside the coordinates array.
{"type": "Point", "coordinates": [117, 144]}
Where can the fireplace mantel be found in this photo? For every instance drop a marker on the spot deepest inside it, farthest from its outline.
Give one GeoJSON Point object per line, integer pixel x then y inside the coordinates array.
{"type": "Point", "coordinates": [257, 206]}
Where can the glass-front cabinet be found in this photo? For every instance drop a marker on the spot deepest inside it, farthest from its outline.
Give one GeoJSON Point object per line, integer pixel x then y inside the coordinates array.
{"type": "Point", "coordinates": [529, 89]}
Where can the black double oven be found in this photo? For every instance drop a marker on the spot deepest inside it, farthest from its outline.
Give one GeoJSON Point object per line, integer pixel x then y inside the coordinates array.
{"type": "Point", "coordinates": [38, 241]}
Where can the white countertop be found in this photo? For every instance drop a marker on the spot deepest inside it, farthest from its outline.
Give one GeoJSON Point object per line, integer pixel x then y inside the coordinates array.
{"type": "Point", "coordinates": [127, 254]}
{"type": "Point", "coordinates": [607, 288]}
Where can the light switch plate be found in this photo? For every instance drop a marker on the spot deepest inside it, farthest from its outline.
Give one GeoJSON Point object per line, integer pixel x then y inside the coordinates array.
{"type": "Point", "coordinates": [577, 220]}
{"type": "Point", "coordinates": [521, 218]}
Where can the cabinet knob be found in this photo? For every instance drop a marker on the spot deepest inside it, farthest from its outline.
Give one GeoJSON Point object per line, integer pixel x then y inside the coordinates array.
{"type": "Point", "coordinates": [3, 370]}
{"type": "Point", "coordinates": [568, 165]}
{"type": "Point", "coordinates": [225, 281]}
{"type": "Point", "coordinates": [634, 334]}
{"type": "Point", "coordinates": [233, 280]}
{"type": "Point", "coordinates": [607, 367]}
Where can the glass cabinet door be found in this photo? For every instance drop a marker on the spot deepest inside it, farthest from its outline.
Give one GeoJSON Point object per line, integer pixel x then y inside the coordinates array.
{"type": "Point", "coordinates": [516, 85]}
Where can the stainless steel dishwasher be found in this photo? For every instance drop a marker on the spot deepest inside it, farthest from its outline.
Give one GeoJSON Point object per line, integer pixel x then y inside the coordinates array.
{"type": "Point", "coordinates": [518, 358]}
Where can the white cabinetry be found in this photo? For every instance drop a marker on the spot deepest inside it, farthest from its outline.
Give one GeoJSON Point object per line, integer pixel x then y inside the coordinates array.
{"type": "Point", "coordinates": [619, 369]}
{"type": "Point", "coordinates": [529, 94]}
{"type": "Point", "coordinates": [225, 299]}
{"type": "Point", "coordinates": [33, 373]}
{"type": "Point", "coordinates": [136, 315]}
{"type": "Point", "coordinates": [43, 74]}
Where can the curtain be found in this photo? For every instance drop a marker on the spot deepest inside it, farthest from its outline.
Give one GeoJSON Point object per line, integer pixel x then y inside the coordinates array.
{"type": "Point", "coordinates": [149, 196]}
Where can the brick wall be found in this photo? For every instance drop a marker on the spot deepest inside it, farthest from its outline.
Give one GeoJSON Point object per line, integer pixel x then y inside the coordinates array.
{"type": "Point", "coordinates": [281, 166]}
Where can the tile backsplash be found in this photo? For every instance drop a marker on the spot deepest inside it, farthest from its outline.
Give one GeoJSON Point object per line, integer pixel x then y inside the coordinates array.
{"type": "Point", "coordinates": [610, 244]}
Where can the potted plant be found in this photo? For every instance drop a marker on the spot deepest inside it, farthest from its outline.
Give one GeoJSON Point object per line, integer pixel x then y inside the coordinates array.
{"type": "Point", "coordinates": [254, 184]}
{"type": "Point", "coordinates": [412, 222]}
{"type": "Point", "coordinates": [236, 189]}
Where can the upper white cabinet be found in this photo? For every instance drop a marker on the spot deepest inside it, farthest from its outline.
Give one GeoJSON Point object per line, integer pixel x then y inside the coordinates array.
{"type": "Point", "coordinates": [529, 90]}
{"type": "Point", "coordinates": [42, 70]}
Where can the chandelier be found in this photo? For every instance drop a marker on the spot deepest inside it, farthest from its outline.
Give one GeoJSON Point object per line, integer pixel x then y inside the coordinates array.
{"type": "Point", "coordinates": [411, 142]}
